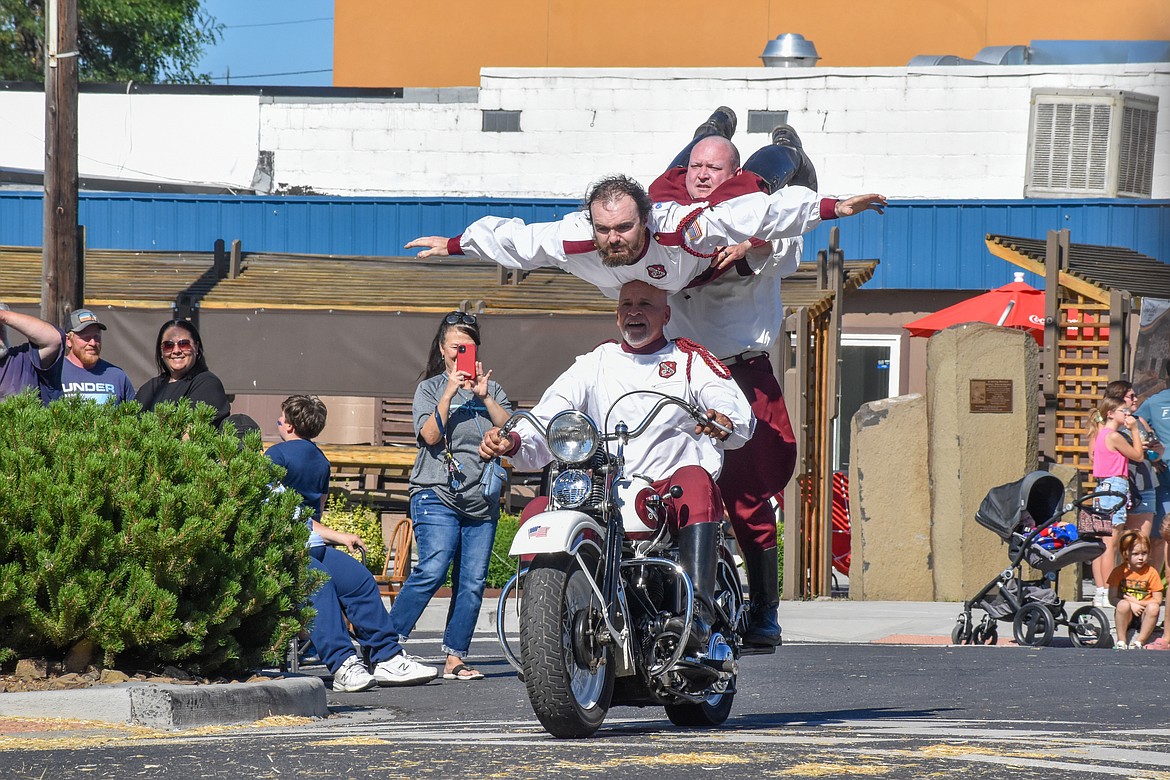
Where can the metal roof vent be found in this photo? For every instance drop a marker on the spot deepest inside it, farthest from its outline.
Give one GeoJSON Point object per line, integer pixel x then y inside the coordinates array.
{"type": "Point", "coordinates": [790, 50]}
{"type": "Point", "coordinates": [1091, 143]}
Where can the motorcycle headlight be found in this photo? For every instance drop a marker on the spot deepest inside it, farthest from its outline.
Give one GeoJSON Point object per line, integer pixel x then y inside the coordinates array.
{"type": "Point", "coordinates": [571, 488]}
{"type": "Point", "coordinates": [572, 437]}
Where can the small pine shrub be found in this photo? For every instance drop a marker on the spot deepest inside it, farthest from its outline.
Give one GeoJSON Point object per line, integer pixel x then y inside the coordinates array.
{"type": "Point", "coordinates": [151, 535]}
{"type": "Point", "coordinates": [341, 515]}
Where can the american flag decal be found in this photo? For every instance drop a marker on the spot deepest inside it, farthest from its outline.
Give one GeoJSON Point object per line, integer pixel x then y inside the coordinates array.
{"type": "Point", "coordinates": [537, 531]}
{"type": "Point", "coordinates": [694, 232]}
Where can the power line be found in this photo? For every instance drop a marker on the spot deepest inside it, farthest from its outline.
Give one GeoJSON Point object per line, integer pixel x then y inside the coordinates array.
{"type": "Point", "coordinates": [277, 24]}
{"type": "Point", "coordinates": [269, 75]}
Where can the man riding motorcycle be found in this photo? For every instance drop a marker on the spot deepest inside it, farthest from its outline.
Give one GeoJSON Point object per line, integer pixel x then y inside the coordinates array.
{"type": "Point", "coordinates": [677, 453]}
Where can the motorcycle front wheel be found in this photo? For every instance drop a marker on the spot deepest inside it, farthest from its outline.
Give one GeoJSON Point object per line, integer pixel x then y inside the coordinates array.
{"type": "Point", "coordinates": [568, 672]}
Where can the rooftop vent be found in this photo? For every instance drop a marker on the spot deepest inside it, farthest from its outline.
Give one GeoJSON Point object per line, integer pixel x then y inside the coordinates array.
{"type": "Point", "coordinates": [1091, 143]}
{"type": "Point", "coordinates": [790, 50]}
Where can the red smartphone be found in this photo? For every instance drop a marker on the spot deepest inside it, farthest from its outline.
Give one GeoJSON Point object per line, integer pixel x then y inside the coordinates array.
{"type": "Point", "coordinates": [465, 360]}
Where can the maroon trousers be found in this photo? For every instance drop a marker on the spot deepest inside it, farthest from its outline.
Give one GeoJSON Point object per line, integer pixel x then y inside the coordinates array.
{"type": "Point", "coordinates": [760, 469]}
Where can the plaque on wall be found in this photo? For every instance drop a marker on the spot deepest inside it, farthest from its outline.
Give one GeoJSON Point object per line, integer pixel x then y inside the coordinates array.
{"type": "Point", "coordinates": [991, 396]}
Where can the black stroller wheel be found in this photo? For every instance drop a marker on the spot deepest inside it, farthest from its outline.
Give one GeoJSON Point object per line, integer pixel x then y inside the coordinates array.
{"type": "Point", "coordinates": [961, 633]}
{"type": "Point", "coordinates": [985, 633]}
{"type": "Point", "coordinates": [1089, 627]}
{"type": "Point", "coordinates": [1034, 626]}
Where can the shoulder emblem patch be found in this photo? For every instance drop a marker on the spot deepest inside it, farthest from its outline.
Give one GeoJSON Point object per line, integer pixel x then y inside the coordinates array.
{"type": "Point", "coordinates": [656, 271]}
{"type": "Point", "coordinates": [667, 369]}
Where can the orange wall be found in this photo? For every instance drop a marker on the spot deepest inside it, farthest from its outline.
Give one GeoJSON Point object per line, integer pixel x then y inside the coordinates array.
{"type": "Point", "coordinates": [392, 43]}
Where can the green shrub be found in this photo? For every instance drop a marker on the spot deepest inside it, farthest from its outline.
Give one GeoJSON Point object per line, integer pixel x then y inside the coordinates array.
{"type": "Point", "coordinates": [151, 536]}
{"type": "Point", "coordinates": [342, 515]}
{"type": "Point", "coordinates": [780, 554]}
{"type": "Point", "coordinates": [501, 567]}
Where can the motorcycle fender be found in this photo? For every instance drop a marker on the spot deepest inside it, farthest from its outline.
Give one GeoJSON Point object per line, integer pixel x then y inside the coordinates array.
{"type": "Point", "coordinates": [561, 530]}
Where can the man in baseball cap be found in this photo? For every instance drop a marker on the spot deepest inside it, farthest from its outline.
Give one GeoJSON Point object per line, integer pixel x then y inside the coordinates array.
{"type": "Point", "coordinates": [36, 364]}
{"type": "Point", "coordinates": [84, 373]}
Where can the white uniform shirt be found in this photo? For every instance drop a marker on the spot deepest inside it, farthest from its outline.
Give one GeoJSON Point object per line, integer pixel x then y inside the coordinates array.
{"type": "Point", "coordinates": [597, 379]}
{"type": "Point", "coordinates": [734, 313]}
{"type": "Point", "coordinates": [569, 245]}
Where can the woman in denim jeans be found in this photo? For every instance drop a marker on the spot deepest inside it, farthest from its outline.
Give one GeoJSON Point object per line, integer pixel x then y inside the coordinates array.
{"type": "Point", "coordinates": [452, 409]}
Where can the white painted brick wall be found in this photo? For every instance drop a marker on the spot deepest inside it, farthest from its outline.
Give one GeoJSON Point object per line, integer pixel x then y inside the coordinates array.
{"type": "Point", "coordinates": [928, 132]}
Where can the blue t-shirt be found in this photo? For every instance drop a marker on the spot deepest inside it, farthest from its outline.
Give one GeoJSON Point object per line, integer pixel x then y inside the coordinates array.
{"type": "Point", "coordinates": [1156, 411]}
{"type": "Point", "coordinates": [308, 474]}
{"type": "Point", "coordinates": [104, 383]}
{"type": "Point", "coordinates": [22, 370]}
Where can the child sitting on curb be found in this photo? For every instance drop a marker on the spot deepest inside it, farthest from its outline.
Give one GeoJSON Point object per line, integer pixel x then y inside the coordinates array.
{"type": "Point", "coordinates": [350, 587]}
{"type": "Point", "coordinates": [1136, 590]}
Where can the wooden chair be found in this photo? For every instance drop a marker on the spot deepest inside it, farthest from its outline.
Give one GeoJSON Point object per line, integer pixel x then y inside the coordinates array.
{"type": "Point", "coordinates": [398, 560]}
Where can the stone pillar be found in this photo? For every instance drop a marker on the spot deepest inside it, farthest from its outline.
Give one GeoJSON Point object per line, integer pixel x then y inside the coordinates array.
{"type": "Point", "coordinates": [889, 497]}
{"type": "Point", "coordinates": [982, 384]}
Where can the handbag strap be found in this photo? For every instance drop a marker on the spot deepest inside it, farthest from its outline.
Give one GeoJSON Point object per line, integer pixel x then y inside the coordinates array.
{"type": "Point", "coordinates": [453, 465]}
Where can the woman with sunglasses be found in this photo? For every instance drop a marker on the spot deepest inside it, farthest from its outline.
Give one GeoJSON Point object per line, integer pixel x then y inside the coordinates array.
{"type": "Point", "coordinates": [452, 409]}
{"type": "Point", "coordinates": [183, 372]}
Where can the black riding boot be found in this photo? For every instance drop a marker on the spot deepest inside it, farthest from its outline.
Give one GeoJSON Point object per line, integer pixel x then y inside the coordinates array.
{"type": "Point", "coordinates": [696, 553]}
{"type": "Point", "coordinates": [764, 593]}
{"type": "Point", "coordinates": [721, 122]}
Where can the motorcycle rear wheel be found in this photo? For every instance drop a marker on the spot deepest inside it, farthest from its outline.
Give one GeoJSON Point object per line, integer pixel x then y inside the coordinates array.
{"type": "Point", "coordinates": [569, 675]}
{"type": "Point", "coordinates": [707, 714]}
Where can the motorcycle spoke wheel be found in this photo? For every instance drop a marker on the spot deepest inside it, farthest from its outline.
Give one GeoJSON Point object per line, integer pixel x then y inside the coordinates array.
{"type": "Point", "coordinates": [1089, 627]}
{"type": "Point", "coordinates": [568, 674]}
{"type": "Point", "coordinates": [1034, 626]}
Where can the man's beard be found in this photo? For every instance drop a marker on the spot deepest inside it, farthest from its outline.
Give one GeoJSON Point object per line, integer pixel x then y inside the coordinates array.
{"type": "Point", "coordinates": [88, 359]}
{"type": "Point", "coordinates": [616, 258]}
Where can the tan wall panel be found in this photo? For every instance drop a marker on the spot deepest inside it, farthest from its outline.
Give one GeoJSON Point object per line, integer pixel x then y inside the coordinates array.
{"type": "Point", "coordinates": [445, 44]}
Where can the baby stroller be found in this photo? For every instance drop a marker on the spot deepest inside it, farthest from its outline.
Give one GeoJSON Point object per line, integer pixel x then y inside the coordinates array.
{"type": "Point", "coordinates": [1018, 513]}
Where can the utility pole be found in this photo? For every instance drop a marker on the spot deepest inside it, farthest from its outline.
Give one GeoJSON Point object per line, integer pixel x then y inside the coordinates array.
{"type": "Point", "coordinates": [61, 274]}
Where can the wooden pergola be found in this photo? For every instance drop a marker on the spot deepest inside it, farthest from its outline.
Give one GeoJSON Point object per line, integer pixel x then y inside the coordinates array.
{"type": "Point", "coordinates": [1090, 293]}
{"type": "Point", "coordinates": [808, 367]}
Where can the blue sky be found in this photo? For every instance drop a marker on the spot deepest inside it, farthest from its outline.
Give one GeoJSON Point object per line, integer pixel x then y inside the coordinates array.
{"type": "Point", "coordinates": [271, 43]}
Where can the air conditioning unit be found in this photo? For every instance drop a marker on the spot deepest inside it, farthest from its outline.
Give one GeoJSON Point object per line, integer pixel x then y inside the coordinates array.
{"type": "Point", "coordinates": [1091, 143]}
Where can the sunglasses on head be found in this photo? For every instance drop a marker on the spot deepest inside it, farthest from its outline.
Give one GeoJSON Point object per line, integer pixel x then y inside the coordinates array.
{"type": "Point", "coordinates": [459, 318]}
{"type": "Point", "coordinates": [186, 345]}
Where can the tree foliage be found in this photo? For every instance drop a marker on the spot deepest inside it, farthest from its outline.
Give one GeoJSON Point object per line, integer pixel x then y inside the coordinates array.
{"type": "Point", "coordinates": [150, 41]}
{"type": "Point", "coordinates": [152, 536]}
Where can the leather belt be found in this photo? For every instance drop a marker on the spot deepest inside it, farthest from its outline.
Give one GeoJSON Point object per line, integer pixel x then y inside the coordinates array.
{"type": "Point", "coordinates": [744, 357]}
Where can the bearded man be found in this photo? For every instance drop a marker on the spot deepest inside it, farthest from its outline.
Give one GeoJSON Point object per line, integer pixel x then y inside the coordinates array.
{"type": "Point", "coordinates": [621, 237]}
{"type": "Point", "coordinates": [84, 373]}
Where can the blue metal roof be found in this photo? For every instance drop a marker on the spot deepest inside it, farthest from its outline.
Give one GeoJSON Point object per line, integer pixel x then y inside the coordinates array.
{"type": "Point", "coordinates": [922, 244]}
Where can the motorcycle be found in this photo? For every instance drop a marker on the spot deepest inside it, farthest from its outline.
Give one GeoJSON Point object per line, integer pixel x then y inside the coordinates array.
{"type": "Point", "coordinates": [605, 608]}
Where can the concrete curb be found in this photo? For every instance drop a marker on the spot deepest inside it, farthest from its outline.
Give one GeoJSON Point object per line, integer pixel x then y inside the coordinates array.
{"type": "Point", "coordinates": [175, 706]}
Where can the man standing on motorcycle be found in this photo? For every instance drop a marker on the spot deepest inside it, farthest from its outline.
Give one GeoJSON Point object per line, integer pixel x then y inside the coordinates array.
{"type": "Point", "coordinates": [677, 452]}
{"type": "Point", "coordinates": [737, 314]}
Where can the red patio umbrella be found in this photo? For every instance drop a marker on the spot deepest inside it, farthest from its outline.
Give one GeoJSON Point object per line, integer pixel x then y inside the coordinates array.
{"type": "Point", "coordinates": [1015, 305]}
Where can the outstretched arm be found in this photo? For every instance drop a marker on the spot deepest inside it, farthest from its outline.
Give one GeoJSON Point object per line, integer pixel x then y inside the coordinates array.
{"type": "Point", "coordinates": [45, 337]}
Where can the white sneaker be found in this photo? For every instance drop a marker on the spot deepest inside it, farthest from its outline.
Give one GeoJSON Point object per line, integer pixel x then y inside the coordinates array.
{"type": "Point", "coordinates": [404, 670]}
{"type": "Point", "coordinates": [353, 676]}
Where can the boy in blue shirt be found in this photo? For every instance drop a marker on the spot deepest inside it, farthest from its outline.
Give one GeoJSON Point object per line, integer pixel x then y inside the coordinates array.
{"type": "Point", "coordinates": [350, 588]}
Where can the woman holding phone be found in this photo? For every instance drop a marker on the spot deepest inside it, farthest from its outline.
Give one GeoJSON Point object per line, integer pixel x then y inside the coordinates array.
{"type": "Point", "coordinates": [454, 404]}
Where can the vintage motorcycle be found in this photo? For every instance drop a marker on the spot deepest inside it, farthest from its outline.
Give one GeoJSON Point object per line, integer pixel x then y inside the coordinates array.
{"type": "Point", "coordinates": [605, 608]}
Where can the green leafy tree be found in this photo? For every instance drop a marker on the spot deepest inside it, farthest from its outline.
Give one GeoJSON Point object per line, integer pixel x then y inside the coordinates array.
{"type": "Point", "coordinates": [151, 537]}
{"type": "Point", "coordinates": [151, 41]}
